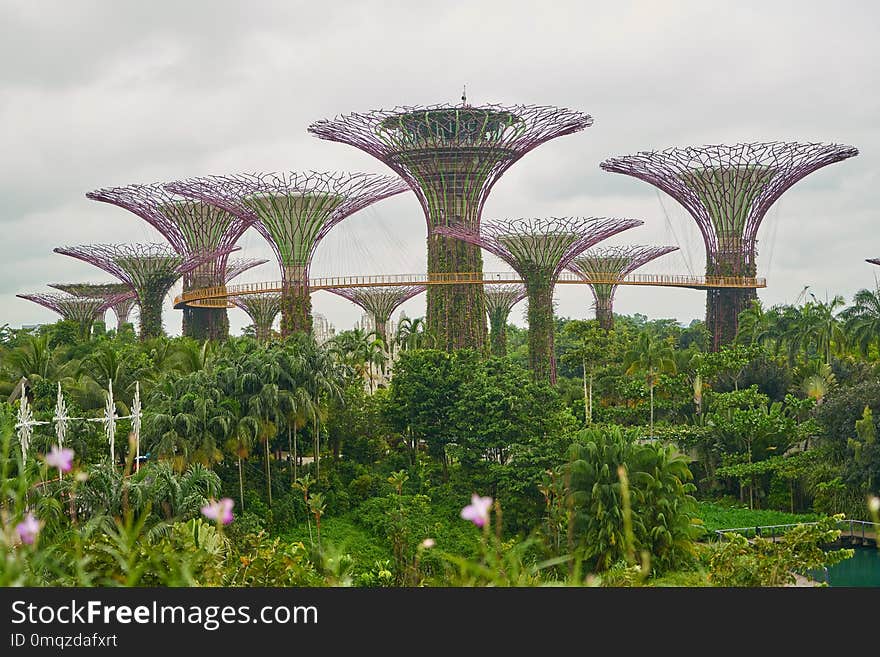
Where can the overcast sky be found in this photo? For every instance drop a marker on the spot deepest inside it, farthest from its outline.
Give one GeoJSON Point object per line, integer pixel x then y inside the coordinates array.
{"type": "Point", "coordinates": [111, 92]}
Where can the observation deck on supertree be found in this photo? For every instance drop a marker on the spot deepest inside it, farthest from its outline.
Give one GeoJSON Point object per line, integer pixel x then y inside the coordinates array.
{"type": "Point", "coordinates": [294, 212]}
{"type": "Point", "coordinates": [121, 296]}
{"type": "Point", "coordinates": [539, 250]}
{"type": "Point", "coordinates": [451, 156]}
{"type": "Point", "coordinates": [728, 191]}
{"type": "Point", "coordinates": [148, 269]}
{"type": "Point", "coordinates": [191, 228]}
{"type": "Point", "coordinates": [500, 300]}
{"type": "Point", "coordinates": [380, 302]}
{"type": "Point", "coordinates": [603, 262]}
{"type": "Point", "coordinates": [262, 309]}
{"type": "Point", "coordinates": [82, 310]}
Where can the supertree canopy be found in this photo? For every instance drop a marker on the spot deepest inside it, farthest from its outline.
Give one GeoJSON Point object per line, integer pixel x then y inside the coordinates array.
{"type": "Point", "coordinates": [82, 310]}
{"type": "Point", "coordinates": [380, 302]}
{"type": "Point", "coordinates": [451, 156]}
{"type": "Point", "coordinates": [612, 262]}
{"type": "Point", "coordinates": [539, 250]}
{"type": "Point", "coordinates": [149, 269]}
{"type": "Point", "coordinates": [500, 300]}
{"type": "Point", "coordinates": [262, 309]}
{"type": "Point", "coordinates": [192, 228]}
{"type": "Point", "coordinates": [293, 211]}
{"type": "Point", "coordinates": [121, 297]}
{"type": "Point", "coordinates": [728, 190]}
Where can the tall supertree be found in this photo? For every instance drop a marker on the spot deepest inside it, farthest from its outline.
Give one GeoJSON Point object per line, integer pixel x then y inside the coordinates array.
{"type": "Point", "coordinates": [82, 310]}
{"type": "Point", "coordinates": [380, 302]}
{"type": "Point", "coordinates": [728, 191]}
{"type": "Point", "coordinates": [604, 262]}
{"type": "Point", "coordinates": [500, 300]}
{"type": "Point", "coordinates": [539, 250]}
{"type": "Point", "coordinates": [451, 156]}
{"type": "Point", "coordinates": [192, 228]}
{"type": "Point", "coordinates": [148, 269]}
{"type": "Point", "coordinates": [293, 211]}
{"type": "Point", "coordinates": [121, 296]}
{"type": "Point", "coordinates": [262, 308]}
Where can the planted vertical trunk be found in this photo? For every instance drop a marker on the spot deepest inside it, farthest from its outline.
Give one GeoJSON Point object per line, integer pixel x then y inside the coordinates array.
{"type": "Point", "coordinates": [540, 316]}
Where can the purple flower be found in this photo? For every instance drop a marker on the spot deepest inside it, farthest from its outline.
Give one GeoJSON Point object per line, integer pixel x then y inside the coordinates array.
{"type": "Point", "coordinates": [28, 529]}
{"type": "Point", "coordinates": [60, 458]}
{"type": "Point", "coordinates": [220, 510]}
{"type": "Point", "coordinates": [478, 510]}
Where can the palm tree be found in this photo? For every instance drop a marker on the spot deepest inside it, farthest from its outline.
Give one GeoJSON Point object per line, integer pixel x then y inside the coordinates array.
{"type": "Point", "coordinates": [323, 381]}
{"type": "Point", "coordinates": [653, 357]}
{"type": "Point", "coordinates": [35, 360]}
{"type": "Point", "coordinates": [863, 319]}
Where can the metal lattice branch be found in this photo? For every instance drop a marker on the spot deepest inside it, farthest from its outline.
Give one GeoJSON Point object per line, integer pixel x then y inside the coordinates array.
{"type": "Point", "coordinates": [380, 302]}
{"type": "Point", "coordinates": [451, 156]}
{"type": "Point", "coordinates": [190, 226]}
{"type": "Point", "coordinates": [82, 310]}
{"type": "Point", "coordinates": [610, 262]}
{"type": "Point", "coordinates": [119, 296]}
{"type": "Point", "coordinates": [262, 309]}
{"type": "Point", "coordinates": [540, 247]}
{"type": "Point", "coordinates": [293, 211]}
{"type": "Point", "coordinates": [873, 261]}
{"type": "Point", "coordinates": [123, 307]}
{"type": "Point", "coordinates": [729, 189]}
{"type": "Point", "coordinates": [238, 266]}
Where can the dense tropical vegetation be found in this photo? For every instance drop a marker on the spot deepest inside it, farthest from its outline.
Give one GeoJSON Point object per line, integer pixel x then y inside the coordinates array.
{"type": "Point", "coordinates": [363, 463]}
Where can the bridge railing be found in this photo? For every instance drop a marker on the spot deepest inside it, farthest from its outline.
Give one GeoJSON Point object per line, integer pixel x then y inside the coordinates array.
{"type": "Point", "coordinates": [452, 278]}
{"type": "Point", "coordinates": [855, 528]}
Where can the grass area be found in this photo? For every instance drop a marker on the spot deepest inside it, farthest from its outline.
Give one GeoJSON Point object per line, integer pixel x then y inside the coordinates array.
{"type": "Point", "coordinates": [716, 516]}
{"type": "Point", "coordinates": [341, 533]}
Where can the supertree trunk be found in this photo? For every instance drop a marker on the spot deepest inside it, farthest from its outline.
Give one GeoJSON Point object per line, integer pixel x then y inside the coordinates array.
{"type": "Point", "coordinates": [151, 316]}
{"type": "Point", "coordinates": [540, 315]}
{"type": "Point", "coordinates": [723, 305]}
{"type": "Point", "coordinates": [498, 333]}
{"type": "Point", "coordinates": [456, 314]}
{"type": "Point", "coordinates": [296, 303]}
{"type": "Point", "coordinates": [605, 313]}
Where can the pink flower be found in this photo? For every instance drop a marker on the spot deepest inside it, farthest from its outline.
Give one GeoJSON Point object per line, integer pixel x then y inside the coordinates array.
{"type": "Point", "coordinates": [60, 458]}
{"type": "Point", "coordinates": [28, 529]}
{"type": "Point", "coordinates": [478, 510]}
{"type": "Point", "coordinates": [220, 510]}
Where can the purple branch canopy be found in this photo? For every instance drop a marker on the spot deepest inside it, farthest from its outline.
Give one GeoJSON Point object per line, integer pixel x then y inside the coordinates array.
{"type": "Point", "coordinates": [451, 156]}
{"type": "Point", "coordinates": [729, 189]}
{"type": "Point", "coordinates": [540, 247]}
{"type": "Point", "coordinates": [380, 302]}
{"type": "Point", "coordinates": [292, 211]}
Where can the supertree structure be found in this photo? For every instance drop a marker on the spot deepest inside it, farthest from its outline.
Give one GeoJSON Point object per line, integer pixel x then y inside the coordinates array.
{"type": "Point", "coordinates": [293, 211]}
{"type": "Point", "coordinates": [380, 302]}
{"type": "Point", "coordinates": [451, 156]}
{"type": "Point", "coordinates": [148, 269]}
{"type": "Point", "coordinates": [262, 308]}
{"type": "Point", "coordinates": [539, 250]}
{"type": "Point", "coordinates": [873, 261]}
{"type": "Point", "coordinates": [603, 262]}
{"type": "Point", "coordinates": [82, 310]}
{"type": "Point", "coordinates": [121, 297]}
{"type": "Point", "coordinates": [728, 191]}
{"type": "Point", "coordinates": [500, 300]}
{"type": "Point", "coordinates": [192, 228]}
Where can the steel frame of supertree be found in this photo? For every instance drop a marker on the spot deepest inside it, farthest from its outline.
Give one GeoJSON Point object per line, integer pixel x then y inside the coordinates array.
{"type": "Point", "coordinates": [380, 302]}
{"type": "Point", "coordinates": [539, 250]}
{"type": "Point", "coordinates": [873, 261]}
{"type": "Point", "coordinates": [122, 296]}
{"type": "Point", "coordinates": [82, 310]}
{"type": "Point", "coordinates": [149, 269]}
{"type": "Point", "coordinates": [728, 191]}
{"type": "Point", "coordinates": [192, 228]}
{"type": "Point", "coordinates": [500, 300]}
{"type": "Point", "coordinates": [607, 261]}
{"type": "Point", "coordinates": [451, 157]}
{"type": "Point", "coordinates": [294, 212]}
{"type": "Point", "coordinates": [262, 308]}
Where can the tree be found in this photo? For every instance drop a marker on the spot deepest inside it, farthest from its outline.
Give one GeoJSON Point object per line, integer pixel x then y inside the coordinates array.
{"type": "Point", "coordinates": [652, 357]}
{"type": "Point", "coordinates": [863, 319]}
